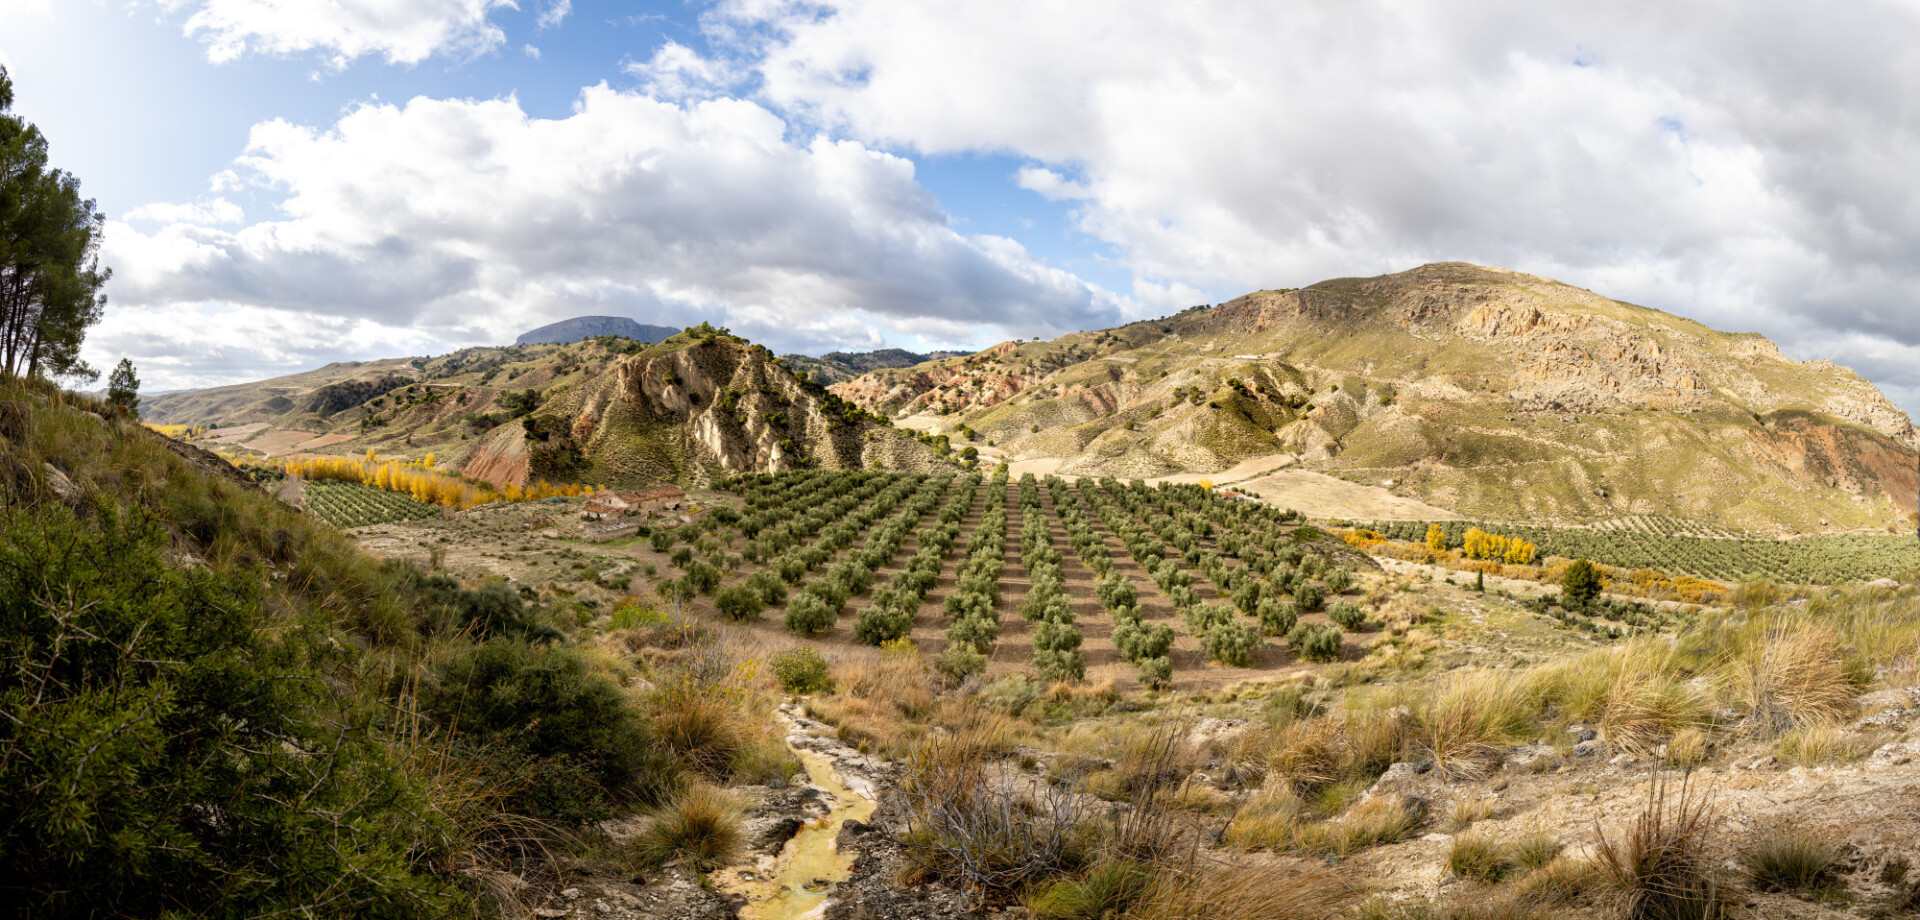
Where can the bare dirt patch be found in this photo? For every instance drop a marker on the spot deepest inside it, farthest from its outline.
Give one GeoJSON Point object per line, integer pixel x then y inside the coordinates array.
{"type": "Point", "coordinates": [1321, 496]}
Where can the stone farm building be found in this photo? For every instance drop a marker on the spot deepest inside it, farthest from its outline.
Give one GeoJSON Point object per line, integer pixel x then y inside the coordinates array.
{"type": "Point", "coordinates": [612, 504]}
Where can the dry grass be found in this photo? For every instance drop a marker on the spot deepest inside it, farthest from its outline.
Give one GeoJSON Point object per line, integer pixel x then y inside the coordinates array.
{"type": "Point", "coordinates": [1235, 891]}
{"type": "Point", "coordinates": [1563, 880]}
{"type": "Point", "coordinates": [1466, 811]}
{"type": "Point", "coordinates": [705, 732]}
{"type": "Point", "coordinates": [1662, 865]}
{"type": "Point", "coordinates": [1821, 743]}
{"type": "Point", "coordinates": [1689, 748]}
{"type": "Point", "coordinates": [701, 828]}
{"type": "Point", "coordinates": [1637, 694]}
{"type": "Point", "coordinates": [1791, 858]}
{"type": "Point", "coordinates": [1478, 856]}
{"type": "Point", "coordinates": [1268, 820]}
{"type": "Point", "coordinates": [1463, 726]}
{"type": "Point", "coordinates": [1790, 676]}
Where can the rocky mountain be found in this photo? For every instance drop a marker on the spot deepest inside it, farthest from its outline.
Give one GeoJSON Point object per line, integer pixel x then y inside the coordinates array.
{"type": "Point", "coordinates": [605, 410]}
{"type": "Point", "coordinates": [569, 331]}
{"type": "Point", "coordinates": [701, 404]}
{"type": "Point", "coordinates": [1500, 395]}
{"type": "Point", "coordinates": [841, 366]}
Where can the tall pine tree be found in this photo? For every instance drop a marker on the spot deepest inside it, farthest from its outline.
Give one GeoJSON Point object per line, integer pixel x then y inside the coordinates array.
{"type": "Point", "coordinates": [50, 274]}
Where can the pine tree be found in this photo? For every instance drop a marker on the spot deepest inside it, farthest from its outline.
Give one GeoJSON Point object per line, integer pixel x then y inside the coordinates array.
{"type": "Point", "coordinates": [123, 388]}
{"type": "Point", "coordinates": [50, 274]}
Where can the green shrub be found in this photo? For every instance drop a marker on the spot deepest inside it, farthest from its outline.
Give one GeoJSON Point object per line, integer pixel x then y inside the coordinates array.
{"type": "Point", "coordinates": [1059, 664]}
{"type": "Point", "coordinates": [635, 615]}
{"type": "Point", "coordinates": [142, 701]}
{"type": "Point", "coordinates": [1053, 635]}
{"type": "Point", "coordinates": [1140, 641]}
{"type": "Point", "coordinates": [773, 591]}
{"type": "Point", "coordinates": [1202, 617]}
{"type": "Point", "coordinates": [1580, 584]}
{"type": "Point", "coordinates": [1338, 581]}
{"type": "Point", "coordinates": [681, 556]}
{"type": "Point", "coordinates": [1156, 673]}
{"type": "Point", "coordinates": [877, 624]}
{"type": "Point", "coordinates": [739, 602]}
{"type": "Point", "coordinates": [975, 630]}
{"type": "Point", "coordinates": [1109, 889]}
{"type": "Point", "coordinates": [800, 670]}
{"type": "Point", "coordinates": [1347, 615]}
{"type": "Point", "coordinates": [661, 540]}
{"type": "Point", "coordinates": [1115, 591]}
{"type": "Point", "coordinates": [1276, 617]}
{"type": "Point", "coordinates": [703, 577]}
{"type": "Point", "coordinates": [809, 615]}
{"type": "Point", "coordinates": [959, 661]}
{"type": "Point", "coordinates": [545, 703]}
{"type": "Point", "coordinates": [1231, 643]}
{"type": "Point", "coordinates": [1314, 643]}
{"type": "Point", "coordinates": [1306, 597]}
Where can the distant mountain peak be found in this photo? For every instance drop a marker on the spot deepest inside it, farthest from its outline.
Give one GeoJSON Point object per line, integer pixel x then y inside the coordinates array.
{"type": "Point", "coordinates": [568, 331]}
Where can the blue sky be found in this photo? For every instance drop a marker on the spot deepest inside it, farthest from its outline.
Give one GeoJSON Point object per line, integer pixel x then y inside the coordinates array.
{"type": "Point", "coordinates": [291, 182]}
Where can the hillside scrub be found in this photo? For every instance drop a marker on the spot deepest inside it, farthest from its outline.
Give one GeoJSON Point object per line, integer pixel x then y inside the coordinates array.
{"type": "Point", "coordinates": [144, 696]}
{"type": "Point", "coordinates": [378, 740]}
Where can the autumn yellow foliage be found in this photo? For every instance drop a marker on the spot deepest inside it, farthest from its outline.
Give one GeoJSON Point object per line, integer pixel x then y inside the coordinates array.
{"type": "Point", "coordinates": [1363, 538]}
{"type": "Point", "coordinates": [419, 479]}
{"type": "Point", "coordinates": [1478, 544]}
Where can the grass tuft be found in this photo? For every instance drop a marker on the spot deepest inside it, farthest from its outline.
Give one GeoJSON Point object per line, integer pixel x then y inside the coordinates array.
{"type": "Point", "coordinates": [700, 827]}
{"type": "Point", "coordinates": [1790, 859]}
{"type": "Point", "coordinates": [1661, 864]}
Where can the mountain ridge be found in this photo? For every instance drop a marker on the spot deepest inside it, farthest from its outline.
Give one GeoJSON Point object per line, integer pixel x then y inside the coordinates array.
{"type": "Point", "coordinates": [1500, 394]}
{"type": "Point", "coordinates": [578, 328]}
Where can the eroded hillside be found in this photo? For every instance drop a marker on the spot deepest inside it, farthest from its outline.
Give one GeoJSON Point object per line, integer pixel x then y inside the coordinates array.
{"type": "Point", "coordinates": [1497, 394]}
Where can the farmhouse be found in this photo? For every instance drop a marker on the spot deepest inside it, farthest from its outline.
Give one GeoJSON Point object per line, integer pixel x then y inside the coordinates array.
{"type": "Point", "coordinates": [652, 498]}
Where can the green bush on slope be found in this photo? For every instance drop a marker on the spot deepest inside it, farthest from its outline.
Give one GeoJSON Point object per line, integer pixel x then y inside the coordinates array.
{"type": "Point", "coordinates": [162, 753]}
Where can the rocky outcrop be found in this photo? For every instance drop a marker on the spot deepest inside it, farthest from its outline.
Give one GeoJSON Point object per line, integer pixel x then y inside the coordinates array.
{"type": "Point", "coordinates": [686, 415]}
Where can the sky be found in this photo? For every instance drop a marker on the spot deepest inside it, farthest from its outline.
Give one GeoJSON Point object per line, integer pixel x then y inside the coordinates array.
{"type": "Point", "coordinates": [293, 182]}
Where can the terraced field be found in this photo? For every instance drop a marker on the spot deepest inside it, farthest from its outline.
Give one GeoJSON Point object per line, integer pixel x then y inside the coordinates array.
{"type": "Point", "coordinates": [351, 504]}
{"type": "Point", "coordinates": [1676, 546]}
{"type": "Point", "coordinates": [1053, 575]}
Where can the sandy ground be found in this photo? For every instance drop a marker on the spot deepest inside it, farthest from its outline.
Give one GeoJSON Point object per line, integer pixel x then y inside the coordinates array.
{"type": "Point", "coordinates": [232, 435]}
{"type": "Point", "coordinates": [275, 443]}
{"type": "Point", "coordinates": [1321, 496]}
{"type": "Point", "coordinates": [326, 440]}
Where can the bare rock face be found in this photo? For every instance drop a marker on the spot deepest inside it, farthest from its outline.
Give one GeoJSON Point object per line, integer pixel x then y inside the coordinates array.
{"type": "Point", "coordinates": [719, 406]}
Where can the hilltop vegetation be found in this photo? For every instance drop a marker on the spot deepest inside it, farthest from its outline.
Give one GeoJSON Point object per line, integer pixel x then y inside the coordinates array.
{"type": "Point", "coordinates": [1501, 396]}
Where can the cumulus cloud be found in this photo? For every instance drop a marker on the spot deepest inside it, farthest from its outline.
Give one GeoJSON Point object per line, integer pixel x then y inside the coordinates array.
{"type": "Point", "coordinates": [1744, 163]}
{"type": "Point", "coordinates": [402, 31]}
{"type": "Point", "coordinates": [470, 220]}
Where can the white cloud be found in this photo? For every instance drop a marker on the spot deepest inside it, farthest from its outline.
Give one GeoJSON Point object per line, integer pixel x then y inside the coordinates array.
{"type": "Point", "coordinates": [678, 72]}
{"type": "Point", "coordinates": [554, 13]}
{"type": "Point", "coordinates": [1745, 163]}
{"type": "Point", "coordinates": [402, 31]}
{"type": "Point", "coordinates": [470, 221]}
{"type": "Point", "coordinates": [530, 51]}
{"type": "Point", "coordinates": [213, 212]}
